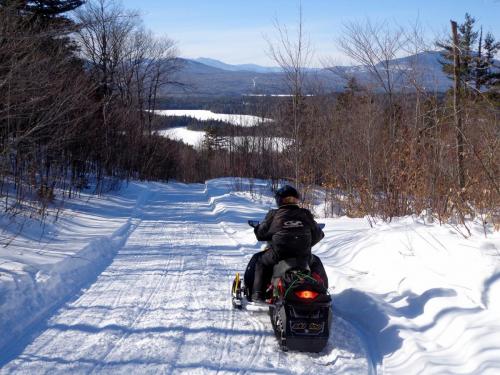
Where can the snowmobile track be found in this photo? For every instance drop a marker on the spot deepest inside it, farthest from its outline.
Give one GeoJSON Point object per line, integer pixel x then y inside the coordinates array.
{"type": "Point", "coordinates": [163, 304]}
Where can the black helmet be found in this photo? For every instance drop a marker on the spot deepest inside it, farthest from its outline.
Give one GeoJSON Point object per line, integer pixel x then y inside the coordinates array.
{"type": "Point", "coordinates": [284, 192]}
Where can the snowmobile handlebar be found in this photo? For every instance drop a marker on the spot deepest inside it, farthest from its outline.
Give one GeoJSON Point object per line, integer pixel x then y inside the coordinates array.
{"type": "Point", "coordinates": [255, 224]}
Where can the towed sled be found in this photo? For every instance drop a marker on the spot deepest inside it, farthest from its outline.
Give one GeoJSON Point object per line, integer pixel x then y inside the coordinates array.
{"type": "Point", "coordinates": [297, 299]}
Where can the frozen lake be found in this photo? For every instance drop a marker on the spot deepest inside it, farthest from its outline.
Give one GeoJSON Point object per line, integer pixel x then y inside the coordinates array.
{"type": "Point", "coordinates": [204, 115]}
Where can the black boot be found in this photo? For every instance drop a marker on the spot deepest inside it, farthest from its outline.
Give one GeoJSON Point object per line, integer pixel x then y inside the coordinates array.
{"type": "Point", "coordinates": [263, 270]}
{"type": "Point", "coordinates": [258, 296]}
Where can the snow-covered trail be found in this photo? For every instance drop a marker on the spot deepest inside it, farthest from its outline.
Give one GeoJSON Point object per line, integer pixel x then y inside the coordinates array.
{"type": "Point", "coordinates": [163, 306]}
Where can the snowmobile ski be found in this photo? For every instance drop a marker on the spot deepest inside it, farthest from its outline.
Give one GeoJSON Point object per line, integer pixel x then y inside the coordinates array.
{"type": "Point", "coordinates": [236, 295]}
{"type": "Point", "coordinates": [240, 300]}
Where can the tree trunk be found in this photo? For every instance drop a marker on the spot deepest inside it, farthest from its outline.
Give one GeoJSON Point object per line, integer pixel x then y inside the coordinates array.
{"type": "Point", "coordinates": [457, 107]}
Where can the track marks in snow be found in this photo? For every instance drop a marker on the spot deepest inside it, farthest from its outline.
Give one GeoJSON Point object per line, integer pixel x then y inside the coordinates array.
{"type": "Point", "coordinates": [163, 305]}
{"type": "Point", "coordinates": [346, 345]}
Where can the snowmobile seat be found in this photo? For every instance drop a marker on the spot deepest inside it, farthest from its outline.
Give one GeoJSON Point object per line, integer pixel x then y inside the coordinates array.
{"type": "Point", "coordinates": [289, 264]}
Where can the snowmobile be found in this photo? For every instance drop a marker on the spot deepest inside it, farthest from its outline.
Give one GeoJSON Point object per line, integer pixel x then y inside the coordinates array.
{"type": "Point", "coordinates": [298, 301]}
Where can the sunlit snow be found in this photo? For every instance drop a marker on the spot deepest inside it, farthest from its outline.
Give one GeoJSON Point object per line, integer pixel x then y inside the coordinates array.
{"type": "Point", "coordinates": [138, 281]}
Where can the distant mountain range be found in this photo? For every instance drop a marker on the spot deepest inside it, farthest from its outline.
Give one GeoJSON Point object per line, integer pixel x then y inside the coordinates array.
{"type": "Point", "coordinates": [205, 76]}
{"type": "Point", "coordinates": [237, 68]}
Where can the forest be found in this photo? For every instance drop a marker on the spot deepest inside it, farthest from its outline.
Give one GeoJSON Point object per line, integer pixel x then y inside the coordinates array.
{"type": "Point", "coordinates": [80, 81]}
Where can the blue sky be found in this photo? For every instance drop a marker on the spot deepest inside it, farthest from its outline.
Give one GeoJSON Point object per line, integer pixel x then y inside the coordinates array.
{"type": "Point", "coordinates": [234, 31]}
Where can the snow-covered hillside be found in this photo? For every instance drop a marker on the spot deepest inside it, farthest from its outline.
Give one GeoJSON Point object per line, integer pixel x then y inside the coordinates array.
{"type": "Point", "coordinates": [138, 282]}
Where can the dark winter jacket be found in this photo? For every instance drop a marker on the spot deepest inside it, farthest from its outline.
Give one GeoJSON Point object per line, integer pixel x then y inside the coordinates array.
{"type": "Point", "coordinates": [291, 230]}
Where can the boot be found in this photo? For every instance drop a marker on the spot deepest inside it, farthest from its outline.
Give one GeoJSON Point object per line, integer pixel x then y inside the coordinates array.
{"type": "Point", "coordinates": [258, 297]}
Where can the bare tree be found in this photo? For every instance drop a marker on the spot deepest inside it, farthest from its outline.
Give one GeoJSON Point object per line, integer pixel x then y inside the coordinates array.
{"type": "Point", "coordinates": [375, 46]}
{"type": "Point", "coordinates": [161, 72]}
{"type": "Point", "coordinates": [105, 28]}
{"type": "Point", "coordinates": [130, 65]}
{"type": "Point", "coordinates": [293, 54]}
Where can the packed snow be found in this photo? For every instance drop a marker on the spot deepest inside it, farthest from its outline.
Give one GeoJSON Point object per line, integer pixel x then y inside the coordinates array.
{"type": "Point", "coordinates": [204, 115]}
{"type": "Point", "coordinates": [138, 281]}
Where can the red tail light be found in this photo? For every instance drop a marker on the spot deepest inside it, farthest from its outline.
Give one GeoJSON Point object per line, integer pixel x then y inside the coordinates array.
{"type": "Point", "coordinates": [280, 287]}
{"type": "Point", "coordinates": [306, 294]}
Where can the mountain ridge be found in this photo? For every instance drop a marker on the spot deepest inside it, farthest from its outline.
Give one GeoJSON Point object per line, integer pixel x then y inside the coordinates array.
{"type": "Point", "coordinates": [207, 76]}
{"type": "Point", "coordinates": [250, 67]}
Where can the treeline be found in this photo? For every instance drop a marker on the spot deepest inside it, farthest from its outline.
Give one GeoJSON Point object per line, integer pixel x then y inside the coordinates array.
{"type": "Point", "coordinates": [216, 127]}
{"type": "Point", "coordinates": [78, 94]}
{"type": "Point", "coordinates": [76, 99]}
{"type": "Point", "coordinates": [387, 152]}
{"type": "Point", "coordinates": [413, 150]}
{"type": "Point", "coordinates": [165, 122]}
{"type": "Point", "coordinates": [381, 151]}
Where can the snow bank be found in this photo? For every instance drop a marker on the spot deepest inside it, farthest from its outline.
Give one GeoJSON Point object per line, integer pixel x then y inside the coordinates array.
{"type": "Point", "coordinates": [423, 295]}
{"type": "Point", "coordinates": [44, 266]}
{"type": "Point", "coordinates": [424, 298]}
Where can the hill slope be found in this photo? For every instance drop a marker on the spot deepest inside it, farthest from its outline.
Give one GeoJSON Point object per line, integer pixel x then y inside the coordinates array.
{"type": "Point", "coordinates": [206, 76]}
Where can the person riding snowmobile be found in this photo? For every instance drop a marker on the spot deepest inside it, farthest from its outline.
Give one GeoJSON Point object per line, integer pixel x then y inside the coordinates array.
{"type": "Point", "coordinates": [291, 232]}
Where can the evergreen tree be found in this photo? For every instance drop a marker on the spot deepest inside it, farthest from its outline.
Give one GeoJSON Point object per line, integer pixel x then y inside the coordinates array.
{"type": "Point", "coordinates": [467, 40]}
{"type": "Point", "coordinates": [476, 65]}
{"type": "Point", "coordinates": [45, 13]}
{"type": "Point", "coordinates": [492, 73]}
{"type": "Point", "coordinates": [51, 15]}
{"type": "Point", "coordinates": [212, 140]}
{"type": "Point", "coordinates": [50, 9]}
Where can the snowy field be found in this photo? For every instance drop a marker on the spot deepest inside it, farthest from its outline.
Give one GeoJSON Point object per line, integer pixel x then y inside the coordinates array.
{"type": "Point", "coordinates": [139, 282]}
